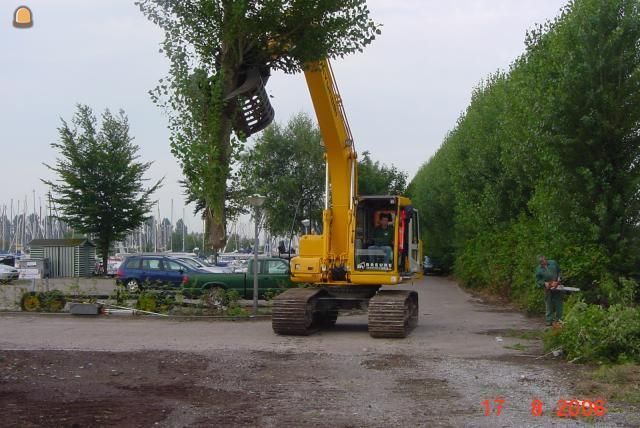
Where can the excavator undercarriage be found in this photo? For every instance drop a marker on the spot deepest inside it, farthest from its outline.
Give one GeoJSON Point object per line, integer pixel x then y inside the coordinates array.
{"type": "Point", "coordinates": [302, 311]}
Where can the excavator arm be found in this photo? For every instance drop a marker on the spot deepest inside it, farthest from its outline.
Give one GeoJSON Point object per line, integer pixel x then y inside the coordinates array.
{"type": "Point", "coordinates": [341, 174]}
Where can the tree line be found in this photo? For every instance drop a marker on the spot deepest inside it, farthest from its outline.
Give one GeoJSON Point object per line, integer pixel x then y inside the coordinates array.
{"type": "Point", "coordinates": [100, 185]}
{"type": "Point", "coordinates": [545, 160]}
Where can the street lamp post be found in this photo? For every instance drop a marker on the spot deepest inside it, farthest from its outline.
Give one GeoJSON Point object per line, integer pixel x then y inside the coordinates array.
{"type": "Point", "coordinates": [306, 222]}
{"type": "Point", "coordinates": [256, 202]}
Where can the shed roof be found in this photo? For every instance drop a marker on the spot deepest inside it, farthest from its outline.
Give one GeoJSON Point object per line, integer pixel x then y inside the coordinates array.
{"type": "Point", "coordinates": [75, 242]}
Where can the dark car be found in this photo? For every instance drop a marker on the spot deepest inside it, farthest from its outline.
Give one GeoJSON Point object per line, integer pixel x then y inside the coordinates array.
{"type": "Point", "coordinates": [136, 271]}
{"type": "Point", "coordinates": [8, 260]}
{"type": "Point", "coordinates": [433, 266]}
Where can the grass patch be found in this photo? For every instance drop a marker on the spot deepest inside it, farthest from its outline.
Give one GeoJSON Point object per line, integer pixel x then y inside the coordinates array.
{"type": "Point", "coordinates": [525, 334]}
{"type": "Point", "coordinates": [516, 347]}
{"type": "Point", "coordinates": [618, 382]}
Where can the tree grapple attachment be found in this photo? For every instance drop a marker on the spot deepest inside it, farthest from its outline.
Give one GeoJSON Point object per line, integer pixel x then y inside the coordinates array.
{"type": "Point", "coordinates": [254, 108]}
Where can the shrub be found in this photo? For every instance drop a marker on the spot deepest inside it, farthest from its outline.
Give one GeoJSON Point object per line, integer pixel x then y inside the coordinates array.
{"type": "Point", "coordinates": [147, 302]}
{"type": "Point", "coordinates": [270, 293]}
{"type": "Point", "coordinates": [231, 297]}
{"type": "Point", "coordinates": [593, 333]}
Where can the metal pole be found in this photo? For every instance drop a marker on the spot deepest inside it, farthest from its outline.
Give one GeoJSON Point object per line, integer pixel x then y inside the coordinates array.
{"type": "Point", "coordinates": [171, 228]}
{"type": "Point", "coordinates": [255, 265]}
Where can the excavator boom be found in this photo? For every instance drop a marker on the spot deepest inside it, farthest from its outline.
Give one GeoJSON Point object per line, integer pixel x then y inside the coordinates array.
{"type": "Point", "coordinates": [366, 241]}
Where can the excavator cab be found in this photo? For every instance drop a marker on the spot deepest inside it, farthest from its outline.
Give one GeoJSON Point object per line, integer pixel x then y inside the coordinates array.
{"type": "Point", "coordinates": [386, 236]}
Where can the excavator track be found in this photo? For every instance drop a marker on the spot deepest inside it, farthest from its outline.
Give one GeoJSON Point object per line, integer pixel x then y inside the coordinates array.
{"type": "Point", "coordinates": [293, 312]}
{"type": "Point", "coordinates": [393, 313]}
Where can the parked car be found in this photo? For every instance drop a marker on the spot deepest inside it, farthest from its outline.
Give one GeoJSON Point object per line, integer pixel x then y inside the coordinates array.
{"type": "Point", "coordinates": [433, 266]}
{"type": "Point", "coordinates": [203, 265]}
{"type": "Point", "coordinates": [273, 274]}
{"type": "Point", "coordinates": [8, 260]}
{"type": "Point", "coordinates": [8, 273]}
{"type": "Point", "coordinates": [113, 264]}
{"type": "Point", "coordinates": [138, 270]}
{"type": "Point", "coordinates": [112, 267]}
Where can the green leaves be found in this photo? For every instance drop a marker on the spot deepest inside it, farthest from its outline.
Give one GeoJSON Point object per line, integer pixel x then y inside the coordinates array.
{"type": "Point", "coordinates": [210, 44]}
{"type": "Point", "coordinates": [375, 178]}
{"type": "Point", "coordinates": [596, 334]}
{"type": "Point", "coordinates": [99, 188]}
{"type": "Point", "coordinates": [545, 160]}
{"type": "Point", "coordinates": [286, 165]}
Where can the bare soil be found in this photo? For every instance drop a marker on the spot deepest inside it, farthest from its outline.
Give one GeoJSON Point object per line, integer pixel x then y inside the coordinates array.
{"type": "Point", "coordinates": [120, 371]}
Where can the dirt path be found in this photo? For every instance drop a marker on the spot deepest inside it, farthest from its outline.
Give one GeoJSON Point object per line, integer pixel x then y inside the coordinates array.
{"type": "Point", "coordinates": [159, 372]}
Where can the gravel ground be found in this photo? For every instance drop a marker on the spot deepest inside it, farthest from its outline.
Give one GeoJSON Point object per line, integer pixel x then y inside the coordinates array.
{"type": "Point", "coordinates": [121, 371]}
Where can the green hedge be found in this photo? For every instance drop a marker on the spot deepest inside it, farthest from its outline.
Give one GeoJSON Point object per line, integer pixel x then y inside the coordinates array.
{"type": "Point", "coordinates": [544, 161]}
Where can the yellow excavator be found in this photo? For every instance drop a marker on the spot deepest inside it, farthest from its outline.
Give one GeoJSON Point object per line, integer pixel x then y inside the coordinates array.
{"type": "Point", "coordinates": [347, 264]}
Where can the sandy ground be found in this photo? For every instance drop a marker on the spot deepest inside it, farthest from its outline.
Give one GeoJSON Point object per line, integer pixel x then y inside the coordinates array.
{"type": "Point", "coordinates": [61, 370]}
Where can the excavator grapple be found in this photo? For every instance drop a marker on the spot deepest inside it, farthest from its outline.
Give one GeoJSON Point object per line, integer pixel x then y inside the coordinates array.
{"type": "Point", "coordinates": [254, 108]}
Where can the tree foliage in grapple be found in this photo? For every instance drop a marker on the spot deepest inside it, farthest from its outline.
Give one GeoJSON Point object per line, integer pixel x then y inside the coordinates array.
{"type": "Point", "coordinates": [213, 47]}
{"type": "Point", "coordinates": [99, 188]}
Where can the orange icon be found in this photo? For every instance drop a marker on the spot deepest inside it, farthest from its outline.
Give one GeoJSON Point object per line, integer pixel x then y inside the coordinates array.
{"type": "Point", "coordinates": [22, 17]}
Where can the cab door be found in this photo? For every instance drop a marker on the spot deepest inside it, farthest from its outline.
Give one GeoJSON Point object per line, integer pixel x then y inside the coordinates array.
{"type": "Point", "coordinates": [152, 270]}
{"type": "Point", "coordinates": [415, 246]}
{"type": "Point", "coordinates": [277, 273]}
{"type": "Point", "coordinates": [173, 272]}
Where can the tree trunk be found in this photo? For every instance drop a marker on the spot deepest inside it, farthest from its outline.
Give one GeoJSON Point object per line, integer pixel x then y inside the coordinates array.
{"type": "Point", "coordinates": [105, 259]}
{"type": "Point", "coordinates": [220, 158]}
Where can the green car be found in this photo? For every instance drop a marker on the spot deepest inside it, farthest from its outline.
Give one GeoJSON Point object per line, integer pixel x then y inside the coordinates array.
{"type": "Point", "coordinates": [273, 276]}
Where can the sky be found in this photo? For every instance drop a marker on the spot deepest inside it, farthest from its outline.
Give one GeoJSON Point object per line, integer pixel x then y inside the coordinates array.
{"type": "Point", "coordinates": [402, 94]}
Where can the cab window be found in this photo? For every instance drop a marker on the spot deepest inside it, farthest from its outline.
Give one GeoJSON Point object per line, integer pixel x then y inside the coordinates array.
{"type": "Point", "coordinates": [277, 267]}
{"type": "Point", "coordinates": [376, 235]}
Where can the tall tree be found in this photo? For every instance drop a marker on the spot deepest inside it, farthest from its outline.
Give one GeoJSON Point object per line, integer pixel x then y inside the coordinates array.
{"type": "Point", "coordinates": [375, 178]}
{"type": "Point", "coordinates": [213, 47]}
{"type": "Point", "coordinates": [99, 188]}
{"type": "Point", "coordinates": [286, 165]}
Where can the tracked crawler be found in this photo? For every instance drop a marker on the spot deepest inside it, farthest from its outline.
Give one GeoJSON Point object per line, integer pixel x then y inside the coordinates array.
{"type": "Point", "coordinates": [366, 241]}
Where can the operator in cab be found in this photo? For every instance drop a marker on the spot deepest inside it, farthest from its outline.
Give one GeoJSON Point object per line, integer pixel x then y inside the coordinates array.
{"type": "Point", "coordinates": [383, 237]}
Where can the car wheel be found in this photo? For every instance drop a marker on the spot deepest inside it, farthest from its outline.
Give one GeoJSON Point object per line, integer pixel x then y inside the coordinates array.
{"type": "Point", "coordinates": [132, 285]}
{"type": "Point", "coordinates": [215, 297]}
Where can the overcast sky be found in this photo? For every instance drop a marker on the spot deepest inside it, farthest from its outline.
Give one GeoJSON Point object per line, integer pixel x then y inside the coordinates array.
{"type": "Point", "coordinates": [401, 95]}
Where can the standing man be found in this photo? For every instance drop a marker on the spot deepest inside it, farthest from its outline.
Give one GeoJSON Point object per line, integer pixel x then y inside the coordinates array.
{"type": "Point", "coordinates": [548, 277]}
